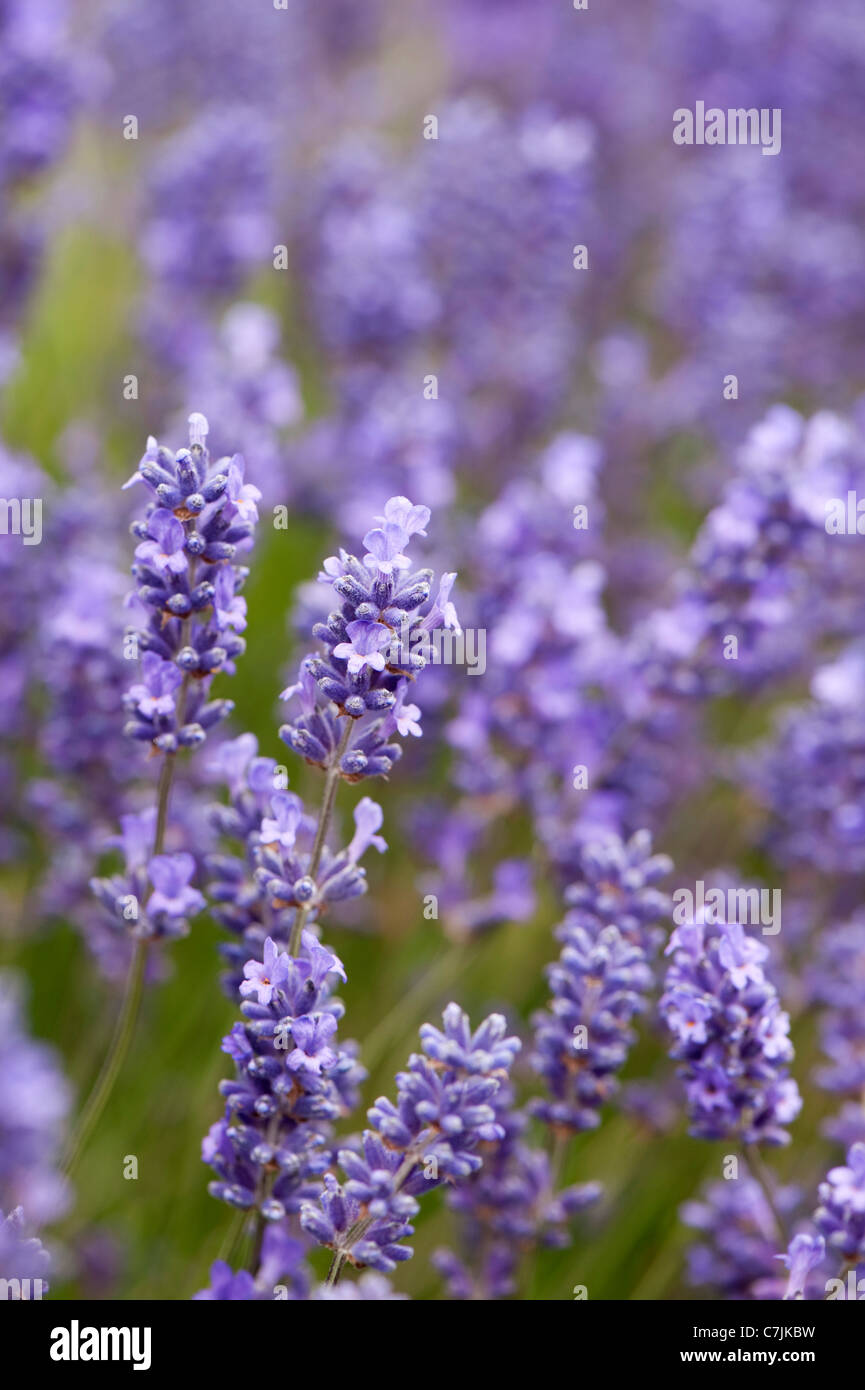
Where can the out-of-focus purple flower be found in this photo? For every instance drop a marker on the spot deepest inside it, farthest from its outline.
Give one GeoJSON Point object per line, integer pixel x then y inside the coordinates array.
{"type": "Point", "coordinates": [840, 1217]}
{"type": "Point", "coordinates": [34, 1103]}
{"type": "Point", "coordinates": [170, 875]}
{"type": "Point", "coordinates": [24, 1261]}
{"type": "Point", "coordinates": [736, 1255]}
{"type": "Point", "coordinates": [836, 982]}
{"type": "Point", "coordinates": [804, 1253]}
{"type": "Point", "coordinates": [281, 1273]}
{"type": "Point", "coordinates": [209, 221]}
{"type": "Point", "coordinates": [809, 775]}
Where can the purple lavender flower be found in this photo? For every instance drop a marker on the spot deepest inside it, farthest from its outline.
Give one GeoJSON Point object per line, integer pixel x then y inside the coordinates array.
{"type": "Point", "coordinates": [837, 983]}
{"type": "Point", "coordinates": [371, 647]}
{"type": "Point", "coordinates": [209, 220]}
{"type": "Point", "coordinates": [730, 1034]}
{"type": "Point", "coordinates": [34, 1104]}
{"type": "Point", "coordinates": [840, 1217]}
{"type": "Point", "coordinates": [172, 896]}
{"type": "Point", "coordinates": [444, 1114]}
{"type": "Point", "coordinates": [131, 909]}
{"type": "Point", "coordinates": [601, 979]}
{"type": "Point", "coordinates": [372, 294]}
{"type": "Point", "coordinates": [615, 884]}
{"type": "Point", "coordinates": [505, 1210]}
{"type": "Point", "coordinates": [188, 583]}
{"type": "Point", "coordinates": [804, 1254]}
{"type": "Point", "coordinates": [809, 776]}
{"type": "Point", "coordinates": [38, 85]}
{"type": "Point", "coordinates": [599, 985]}
{"type": "Point", "coordinates": [24, 1261]}
{"type": "Point", "coordinates": [736, 1255]}
{"type": "Point", "coordinates": [281, 1273]}
{"type": "Point", "coordinates": [292, 1082]}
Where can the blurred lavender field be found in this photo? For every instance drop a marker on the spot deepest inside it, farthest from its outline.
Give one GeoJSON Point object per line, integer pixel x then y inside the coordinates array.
{"type": "Point", "coordinates": [431, 580]}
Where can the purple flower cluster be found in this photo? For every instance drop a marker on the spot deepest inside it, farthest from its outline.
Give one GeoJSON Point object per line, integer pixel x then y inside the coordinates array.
{"type": "Point", "coordinates": [293, 1079]}
{"type": "Point", "coordinates": [34, 1104]}
{"type": "Point", "coordinates": [152, 896]}
{"type": "Point", "coordinates": [188, 585]}
{"type": "Point", "coordinates": [508, 1208]}
{"type": "Point", "coordinates": [281, 1274]}
{"type": "Point", "coordinates": [735, 1256]}
{"type": "Point", "coordinates": [22, 1257]}
{"type": "Point", "coordinates": [840, 1217]}
{"type": "Point", "coordinates": [444, 1115]}
{"type": "Point", "coordinates": [600, 981]}
{"type": "Point", "coordinates": [811, 775]}
{"type": "Point", "coordinates": [836, 985]}
{"type": "Point", "coordinates": [752, 567]}
{"type": "Point", "coordinates": [259, 893]}
{"type": "Point", "coordinates": [374, 646]}
{"type": "Point", "coordinates": [599, 984]}
{"type": "Point", "coordinates": [38, 98]}
{"type": "Point", "coordinates": [187, 590]}
{"type": "Point", "coordinates": [730, 1034]}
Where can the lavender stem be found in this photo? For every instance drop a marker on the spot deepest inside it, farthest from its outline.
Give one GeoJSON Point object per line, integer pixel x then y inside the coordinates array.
{"type": "Point", "coordinates": [324, 819]}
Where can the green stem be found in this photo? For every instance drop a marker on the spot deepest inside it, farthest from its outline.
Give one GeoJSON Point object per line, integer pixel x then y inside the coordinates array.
{"type": "Point", "coordinates": [124, 1028]}
{"type": "Point", "coordinates": [324, 818]}
{"type": "Point", "coordinates": [123, 1031]}
{"type": "Point", "coordinates": [360, 1227]}
{"type": "Point", "coordinates": [761, 1174]}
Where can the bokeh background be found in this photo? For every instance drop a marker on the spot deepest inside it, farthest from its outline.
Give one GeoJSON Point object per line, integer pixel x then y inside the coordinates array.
{"type": "Point", "coordinates": [307, 128]}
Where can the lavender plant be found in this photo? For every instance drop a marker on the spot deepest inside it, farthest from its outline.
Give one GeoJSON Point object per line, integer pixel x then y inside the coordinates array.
{"type": "Point", "coordinates": [276, 1136]}
{"type": "Point", "coordinates": [465, 268]}
{"type": "Point", "coordinates": [187, 588]}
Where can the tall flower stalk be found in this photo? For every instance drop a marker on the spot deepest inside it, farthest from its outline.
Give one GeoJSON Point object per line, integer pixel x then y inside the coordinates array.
{"type": "Point", "coordinates": [293, 1078]}
{"type": "Point", "coordinates": [200, 516]}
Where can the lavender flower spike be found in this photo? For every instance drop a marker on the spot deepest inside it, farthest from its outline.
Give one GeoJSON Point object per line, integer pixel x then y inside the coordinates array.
{"type": "Point", "coordinates": [187, 586]}
{"type": "Point", "coordinates": [804, 1253]}
{"type": "Point", "coordinates": [730, 1034]}
{"type": "Point", "coordinates": [188, 583]}
{"type": "Point", "coordinates": [444, 1113]}
{"type": "Point", "coordinates": [373, 646]}
{"type": "Point", "coordinates": [840, 1217]}
{"type": "Point", "coordinates": [292, 1081]}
